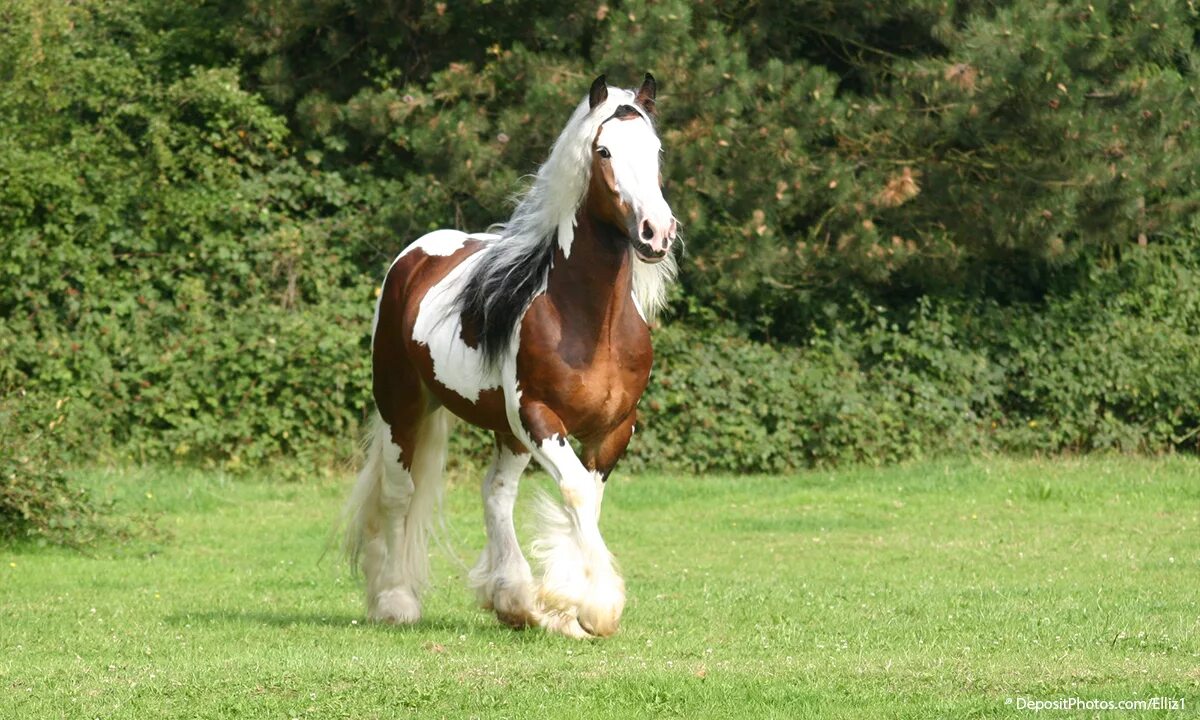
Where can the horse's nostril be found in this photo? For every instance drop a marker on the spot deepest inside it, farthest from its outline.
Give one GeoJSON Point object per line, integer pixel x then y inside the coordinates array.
{"type": "Point", "coordinates": [647, 231]}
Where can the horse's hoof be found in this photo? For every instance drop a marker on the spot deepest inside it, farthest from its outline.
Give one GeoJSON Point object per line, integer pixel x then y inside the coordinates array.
{"type": "Point", "coordinates": [600, 614]}
{"type": "Point", "coordinates": [398, 606]}
{"type": "Point", "coordinates": [511, 600]}
{"type": "Point", "coordinates": [564, 624]}
{"type": "Point", "coordinates": [593, 609]}
{"type": "Point", "coordinates": [514, 607]}
{"type": "Point", "coordinates": [517, 620]}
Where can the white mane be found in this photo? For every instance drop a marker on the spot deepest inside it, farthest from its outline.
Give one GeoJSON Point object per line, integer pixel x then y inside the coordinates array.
{"type": "Point", "coordinates": [547, 210]}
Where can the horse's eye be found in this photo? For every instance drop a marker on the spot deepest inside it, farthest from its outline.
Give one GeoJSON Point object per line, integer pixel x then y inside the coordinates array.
{"type": "Point", "coordinates": [604, 153]}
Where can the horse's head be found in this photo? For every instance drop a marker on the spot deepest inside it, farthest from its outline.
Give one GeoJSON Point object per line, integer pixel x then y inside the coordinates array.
{"type": "Point", "coordinates": [626, 185]}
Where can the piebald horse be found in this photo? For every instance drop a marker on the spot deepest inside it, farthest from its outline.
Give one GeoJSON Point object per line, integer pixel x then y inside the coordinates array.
{"type": "Point", "coordinates": [537, 333]}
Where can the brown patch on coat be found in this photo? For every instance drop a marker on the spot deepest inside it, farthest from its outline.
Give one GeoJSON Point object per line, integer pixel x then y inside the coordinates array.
{"type": "Point", "coordinates": [585, 355]}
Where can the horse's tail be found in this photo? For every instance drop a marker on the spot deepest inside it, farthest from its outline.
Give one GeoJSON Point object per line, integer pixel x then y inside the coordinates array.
{"type": "Point", "coordinates": [364, 514]}
{"type": "Point", "coordinates": [429, 462]}
{"type": "Point", "coordinates": [360, 517]}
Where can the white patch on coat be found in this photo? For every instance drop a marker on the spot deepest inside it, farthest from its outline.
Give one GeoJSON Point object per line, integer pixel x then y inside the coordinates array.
{"type": "Point", "coordinates": [439, 243]}
{"type": "Point", "coordinates": [456, 365]}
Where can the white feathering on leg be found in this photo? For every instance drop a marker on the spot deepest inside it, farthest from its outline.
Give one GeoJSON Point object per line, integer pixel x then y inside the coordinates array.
{"type": "Point", "coordinates": [580, 590]}
{"type": "Point", "coordinates": [389, 517]}
{"type": "Point", "coordinates": [428, 464]}
{"type": "Point", "coordinates": [560, 560]}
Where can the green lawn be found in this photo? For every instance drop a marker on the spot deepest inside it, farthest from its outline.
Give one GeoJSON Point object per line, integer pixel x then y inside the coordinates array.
{"type": "Point", "coordinates": [930, 590]}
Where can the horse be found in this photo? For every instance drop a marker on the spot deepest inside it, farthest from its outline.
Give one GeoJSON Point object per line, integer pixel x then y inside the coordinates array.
{"type": "Point", "coordinates": [538, 332]}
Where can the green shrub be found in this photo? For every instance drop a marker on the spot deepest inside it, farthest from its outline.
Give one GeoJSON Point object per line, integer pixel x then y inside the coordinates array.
{"type": "Point", "coordinates": [37, 499]}
{"type": "Point", "coordinates": [1111, 365]}
{"type": "Point", "coordinates": [921, 223]}
{"type": "Point", "coordinates": [814, 149]}
{"type": "Point", "coordinates": [880, 393]}
{"type": "Point", "coordinates": [163, 258]}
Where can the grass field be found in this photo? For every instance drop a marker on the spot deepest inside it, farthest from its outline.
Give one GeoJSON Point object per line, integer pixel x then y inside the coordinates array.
{"type": "Point", "coordinates": [943, 589]}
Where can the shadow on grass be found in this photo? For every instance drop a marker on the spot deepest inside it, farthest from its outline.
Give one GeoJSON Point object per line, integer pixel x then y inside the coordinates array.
{"type": "Point", "coordinates": [285, 619]}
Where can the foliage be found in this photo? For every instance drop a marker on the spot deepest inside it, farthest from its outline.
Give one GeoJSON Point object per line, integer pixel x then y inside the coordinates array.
{"type": "Point", "coordinates": [923, 224]}
{"type": "Point", "coordinates": [37, 500]}
{"type": "Point", "coordinates": [814, 148]}
{"type": "Point", "coordinates": [165, 259]}
{"type": "Point", "coordinates": [1112, 365]}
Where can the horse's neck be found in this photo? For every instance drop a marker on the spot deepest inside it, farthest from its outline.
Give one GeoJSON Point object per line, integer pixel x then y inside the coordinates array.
{"type": "Point", "coordinates": [595, 282]}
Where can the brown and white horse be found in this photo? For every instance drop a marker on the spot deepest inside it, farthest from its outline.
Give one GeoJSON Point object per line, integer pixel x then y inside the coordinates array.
{"type": "Point", "coordinates": [536, 333]}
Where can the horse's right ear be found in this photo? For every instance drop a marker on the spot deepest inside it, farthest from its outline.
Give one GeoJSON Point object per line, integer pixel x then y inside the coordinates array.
{"type": "Point", "coordinates": [598, 93]}
{"type": "Point", "coordinates": [647, 93]}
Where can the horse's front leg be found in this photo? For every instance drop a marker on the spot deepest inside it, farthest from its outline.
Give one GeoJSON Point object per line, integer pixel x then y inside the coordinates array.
{"type": "Point", "coordinates": [580, 590]}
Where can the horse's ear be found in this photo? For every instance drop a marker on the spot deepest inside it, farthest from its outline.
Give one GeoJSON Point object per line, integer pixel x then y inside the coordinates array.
{"type": "Point", "coordinates": [645, 96]}
{"type": "Point", "coordinates": [598, 93]}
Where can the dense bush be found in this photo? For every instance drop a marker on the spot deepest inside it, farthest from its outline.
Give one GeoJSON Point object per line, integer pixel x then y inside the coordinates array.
{"type": "Point", "coordinates": [925, 225]}
{"type": "Point", "coordinates": [1111, 365]}
{"type": "Point", "coordinates": [37, 500]}
{"type": "Point", "coordinates": [165, 260]}
{"type": "Point", "coordinates": [815, 149]}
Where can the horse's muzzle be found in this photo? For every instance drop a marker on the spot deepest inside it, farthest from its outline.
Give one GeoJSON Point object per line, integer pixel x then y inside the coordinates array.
{"type": "Point", "coordinates": [653, 242]}
{"type": "Point", "coordinates": [647, 254]}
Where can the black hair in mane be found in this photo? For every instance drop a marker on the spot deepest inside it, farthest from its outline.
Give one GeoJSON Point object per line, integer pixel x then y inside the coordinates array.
{"type": "Point", "coordinates": [499, 289]}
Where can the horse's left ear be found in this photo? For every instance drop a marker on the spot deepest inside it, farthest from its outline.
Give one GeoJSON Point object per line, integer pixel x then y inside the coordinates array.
{"type": "Point", "coordinates": [645, 96]}
{"type": "Point", "coordinates": [598, 93]}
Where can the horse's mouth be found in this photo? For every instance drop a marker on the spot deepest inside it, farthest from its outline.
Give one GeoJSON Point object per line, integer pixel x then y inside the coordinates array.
{"type": "Point", "coordinates": [648, 254]}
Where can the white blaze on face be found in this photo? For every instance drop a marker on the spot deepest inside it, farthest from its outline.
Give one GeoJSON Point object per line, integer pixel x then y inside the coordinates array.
{"type": "Point", "coordinates": [634, 156]}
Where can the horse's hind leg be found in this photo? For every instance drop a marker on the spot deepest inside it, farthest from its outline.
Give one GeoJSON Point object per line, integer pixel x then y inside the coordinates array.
{"type": "Point", "coordinates": [399, 490]}
{"type": "Point", "coordinates": [502, 578]}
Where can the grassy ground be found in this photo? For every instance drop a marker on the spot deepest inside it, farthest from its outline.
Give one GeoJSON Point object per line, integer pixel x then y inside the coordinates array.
{"type": "Point", "coordinates": [932, 590]}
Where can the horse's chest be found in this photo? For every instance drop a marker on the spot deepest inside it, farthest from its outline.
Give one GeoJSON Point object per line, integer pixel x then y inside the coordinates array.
{"type": "Point", "coordinates": [601, 396]}
{"type": "Point", "coordinates": [610, 388]}
{"type": "Point", "coordinates": [592, 383]}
